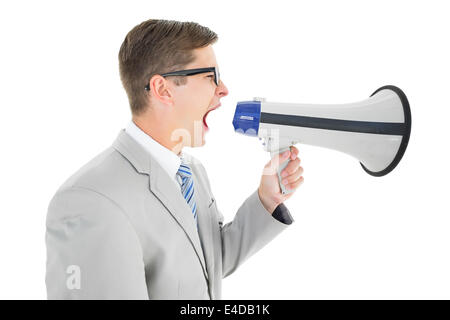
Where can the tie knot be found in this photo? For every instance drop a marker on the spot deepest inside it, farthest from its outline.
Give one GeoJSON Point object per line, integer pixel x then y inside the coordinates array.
{"type": "Point", "coordinates": [184, 170]}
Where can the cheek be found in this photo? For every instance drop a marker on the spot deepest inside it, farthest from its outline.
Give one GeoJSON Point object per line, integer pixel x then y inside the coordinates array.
{"type": "Point", "coordinates": [193, 105]}
{"type": "Point", "coordinates": [190, 111]}
{"type": "Point", "coordinates": [198, 105]}
{"type": "Point", "coordinates": [204, 92]}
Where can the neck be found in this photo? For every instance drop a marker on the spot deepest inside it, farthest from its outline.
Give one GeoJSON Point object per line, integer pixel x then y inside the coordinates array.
{"type": "Point", "coordinates": [159, 132]}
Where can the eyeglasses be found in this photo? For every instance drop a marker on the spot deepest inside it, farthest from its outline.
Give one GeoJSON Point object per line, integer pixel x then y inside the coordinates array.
{"type": "Point", "coordinates": [191, 72]}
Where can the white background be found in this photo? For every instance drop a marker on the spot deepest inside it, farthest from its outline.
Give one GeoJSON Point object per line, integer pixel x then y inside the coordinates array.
{"type": "Point", "coordinates": [354, 236]}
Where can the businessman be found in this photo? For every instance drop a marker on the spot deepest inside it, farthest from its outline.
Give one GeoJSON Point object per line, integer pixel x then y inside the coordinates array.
{"type": "Point", "coordinates": [140, 221]}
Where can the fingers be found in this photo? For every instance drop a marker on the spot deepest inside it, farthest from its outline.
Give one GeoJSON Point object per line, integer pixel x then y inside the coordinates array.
{"type": "Point", "coordinates": [272, 166]}
{"type": "Point", "coordinates": [292, 174]}
{"type": "Point", "coordinates": [291, 168]}
{"type": "Point", "coordinates": [293, 177]}
{"type": "Point", "coordinates": [282, 157]}
{"type": "Point", "coordinates": [294, 152]}
{"type": "Point", "coordinates": [295, 184]}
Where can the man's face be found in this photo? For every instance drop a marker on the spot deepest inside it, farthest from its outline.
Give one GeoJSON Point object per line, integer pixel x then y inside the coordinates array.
{"type": "Point", "coordinates": [194, 100]}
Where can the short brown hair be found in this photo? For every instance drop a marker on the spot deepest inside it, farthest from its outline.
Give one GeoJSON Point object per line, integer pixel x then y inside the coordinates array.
{"type": "Point", "coordinates": [155, 47]}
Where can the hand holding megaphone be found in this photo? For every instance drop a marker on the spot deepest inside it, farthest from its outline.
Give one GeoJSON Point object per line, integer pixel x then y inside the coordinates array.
{"type": "Point", "coordinates": [291, 177]}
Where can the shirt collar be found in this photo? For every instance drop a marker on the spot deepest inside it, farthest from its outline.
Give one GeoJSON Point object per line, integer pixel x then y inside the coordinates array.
{"type": "Point", "coordinates": [167, 159]}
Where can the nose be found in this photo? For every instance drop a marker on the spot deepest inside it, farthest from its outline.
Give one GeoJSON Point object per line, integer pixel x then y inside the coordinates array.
{"type": "Point", "coordinates": [221, 90]}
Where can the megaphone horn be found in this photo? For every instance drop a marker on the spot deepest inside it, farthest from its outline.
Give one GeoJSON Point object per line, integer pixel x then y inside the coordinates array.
{"type": "Point", "coordinates": [375, 131]}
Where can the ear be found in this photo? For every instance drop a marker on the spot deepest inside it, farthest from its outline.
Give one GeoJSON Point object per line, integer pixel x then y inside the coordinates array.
{"type": "Point", "coordinates": [160, 90]}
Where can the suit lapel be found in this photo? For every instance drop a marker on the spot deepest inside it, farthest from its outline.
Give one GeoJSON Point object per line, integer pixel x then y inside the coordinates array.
{"type": "Point", "coordinates": [171, 197]}
{"type": "Point", "coordinates": [204, 220]}
{"type": "Point", "coordinates": [163, 188]}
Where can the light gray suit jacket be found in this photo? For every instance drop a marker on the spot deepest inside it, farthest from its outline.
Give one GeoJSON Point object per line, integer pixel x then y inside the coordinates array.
{"type": "Point", "coordinates": [119, 228]}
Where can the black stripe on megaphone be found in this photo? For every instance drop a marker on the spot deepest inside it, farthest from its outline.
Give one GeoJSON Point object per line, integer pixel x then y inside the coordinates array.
{"type": "Point", "coordinates": [391, 128]}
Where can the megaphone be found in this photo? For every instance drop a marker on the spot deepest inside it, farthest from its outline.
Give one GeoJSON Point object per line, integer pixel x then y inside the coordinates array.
{"type": "Point", "coordinates": [375, 131]}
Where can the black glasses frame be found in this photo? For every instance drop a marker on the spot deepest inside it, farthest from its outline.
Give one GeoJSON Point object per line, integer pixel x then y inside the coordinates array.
{"type": "Point", "coordinates": [191, 72]}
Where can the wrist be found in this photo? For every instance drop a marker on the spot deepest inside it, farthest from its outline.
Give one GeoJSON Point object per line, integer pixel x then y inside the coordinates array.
{"type": "Point", "coordinates": [269, 205]}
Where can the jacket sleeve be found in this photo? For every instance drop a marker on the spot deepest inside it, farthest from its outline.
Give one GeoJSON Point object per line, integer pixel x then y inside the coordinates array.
{"type": "Point", "coordinates": [251, 229]}
{"type": "Point", "coordinates": [92, 250]}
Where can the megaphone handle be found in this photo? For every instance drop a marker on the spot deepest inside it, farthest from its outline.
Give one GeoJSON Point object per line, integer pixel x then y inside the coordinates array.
{"type": "Point", "coordinates": [280, 168]}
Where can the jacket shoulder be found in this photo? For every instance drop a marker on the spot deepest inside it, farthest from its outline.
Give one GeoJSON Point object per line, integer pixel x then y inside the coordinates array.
{"type": "Point", "coordinates": [108, 171]}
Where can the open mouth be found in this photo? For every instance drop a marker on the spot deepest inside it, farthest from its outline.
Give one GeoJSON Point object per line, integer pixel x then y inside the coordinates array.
{"type": "Point", "coordinates": [206, 114]}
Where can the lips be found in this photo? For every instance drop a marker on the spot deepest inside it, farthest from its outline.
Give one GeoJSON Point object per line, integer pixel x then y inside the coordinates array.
{"type": "Point", "coordinates": [206, 114]}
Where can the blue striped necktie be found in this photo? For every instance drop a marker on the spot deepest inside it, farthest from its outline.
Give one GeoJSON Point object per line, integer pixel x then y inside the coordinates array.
{"type": "Point", "coordinates": [187, 188]}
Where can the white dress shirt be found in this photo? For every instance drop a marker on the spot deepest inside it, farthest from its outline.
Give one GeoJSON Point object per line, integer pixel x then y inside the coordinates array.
{"type": "Point", "coordinates": [166, 158]}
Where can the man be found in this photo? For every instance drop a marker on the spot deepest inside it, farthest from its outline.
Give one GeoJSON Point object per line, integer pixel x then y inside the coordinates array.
{"type": "Point", "coordinates": [140, 221]}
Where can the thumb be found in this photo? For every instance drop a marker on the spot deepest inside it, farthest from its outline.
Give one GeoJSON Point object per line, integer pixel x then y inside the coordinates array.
{"type": "Point", "coordinates": [273, 165]}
